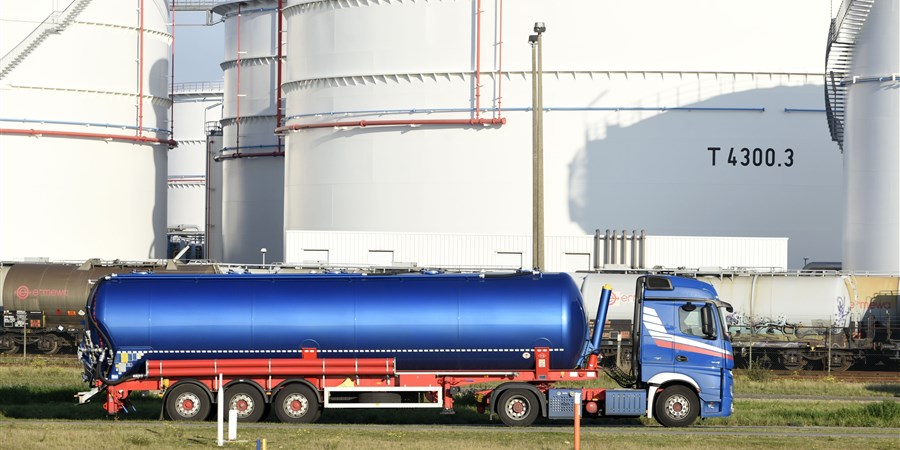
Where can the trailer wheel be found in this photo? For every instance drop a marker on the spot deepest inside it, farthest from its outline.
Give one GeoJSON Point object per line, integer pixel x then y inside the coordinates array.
{"type": "Point", "coordinates": [296, 404]}
{"type": "Point", "coordinates": [188, 402]}
{"type": "Point", "coordinates": [518, 408]}
{"type": "Point", "coordinates": [249, 403]}
{"type": "Point", "coordinates": [676, 406]}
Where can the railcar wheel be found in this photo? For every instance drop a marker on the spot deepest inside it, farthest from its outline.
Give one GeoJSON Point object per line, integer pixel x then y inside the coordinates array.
{"type": "Point", "coordinates": [49, 344]}
{"type": "Point", "coordinates": [676, 406]}
{"type": "Point", "coordinates": [188, 402]}
{"type": "Point", "coordinates": [296, 404]}
{"type": "Point", "coordinates": [518, 407]}
{"type": "Point", "coordinates": [249, 403]}
{"type": "Point", "coordinates": [8, 344]}
{"type": "Point", "coordinates": [793, 361]}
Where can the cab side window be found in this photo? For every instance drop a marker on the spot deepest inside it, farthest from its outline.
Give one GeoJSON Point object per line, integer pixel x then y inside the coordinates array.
{"type": "Point", "coordinates": [690, 322]}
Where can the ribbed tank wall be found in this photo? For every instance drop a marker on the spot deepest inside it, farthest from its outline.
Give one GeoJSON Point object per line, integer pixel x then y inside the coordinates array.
{"type": "Point", "coordinates": [253, 173]}
{"type": "Point", "coordinates": [872, 146]}
{"type": "Point", "coordinates": [78, 178]}
{"type": "Point", "coordinates": [642, 112]}
{"type": "Point", "coordinates": [197, 106]}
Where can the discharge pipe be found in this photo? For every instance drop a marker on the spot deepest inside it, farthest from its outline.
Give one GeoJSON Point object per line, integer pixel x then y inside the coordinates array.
{"type": "Point", "coordinates": [592, 349]}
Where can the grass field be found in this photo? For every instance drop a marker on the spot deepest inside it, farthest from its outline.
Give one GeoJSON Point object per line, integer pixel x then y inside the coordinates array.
{"type": "Point", "coordinates": [37, 410]}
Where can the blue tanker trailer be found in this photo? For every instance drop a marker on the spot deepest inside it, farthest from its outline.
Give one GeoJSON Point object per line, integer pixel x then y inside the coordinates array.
{"type": "Point", "coordinates": [306, 342]}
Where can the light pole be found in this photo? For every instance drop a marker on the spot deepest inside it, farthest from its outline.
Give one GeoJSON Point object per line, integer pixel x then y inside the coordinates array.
{"type": "Point", "coordinates": [537, 108]}
{"type": "Point", "coordinates": [263, 251]}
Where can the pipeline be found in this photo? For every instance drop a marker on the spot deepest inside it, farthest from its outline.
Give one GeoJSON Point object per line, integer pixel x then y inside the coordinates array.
{"type": "Point", "coordinates": [375, 123]}
{"type": "Point", "coordinates": [116, 137]}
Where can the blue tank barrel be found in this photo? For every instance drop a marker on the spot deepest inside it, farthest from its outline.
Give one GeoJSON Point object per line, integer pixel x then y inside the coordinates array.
{"type": "Point", "coordinates": [427, 322]}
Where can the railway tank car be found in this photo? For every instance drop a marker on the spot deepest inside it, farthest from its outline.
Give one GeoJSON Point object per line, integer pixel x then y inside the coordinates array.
{"type": "Point", "coordinates": [791, 320]}
{"type": "Point", "coordinates": [426, 321]}
{"type": "Point", "coordinates": [43, 303]}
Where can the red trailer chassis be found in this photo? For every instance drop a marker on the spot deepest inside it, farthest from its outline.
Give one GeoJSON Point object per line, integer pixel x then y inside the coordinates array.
{"type": "Point", "coordinates": [298, 388]}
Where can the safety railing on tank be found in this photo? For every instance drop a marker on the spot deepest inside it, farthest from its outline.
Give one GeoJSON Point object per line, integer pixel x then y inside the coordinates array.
{"type": "Point", "coordinates": [842, 35]}
{"type": "Point", "coordinates": [212, 87]}
{"type": "Point", "coordinates": [54, 23]}
{"type": "Point", "coordinates": [194, 5]}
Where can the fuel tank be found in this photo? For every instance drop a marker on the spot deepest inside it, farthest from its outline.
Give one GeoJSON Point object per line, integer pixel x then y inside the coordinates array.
{"type": "Point", "coordinates": [426, 321]}
{"type": "Point", "coordinates": [61, 290]}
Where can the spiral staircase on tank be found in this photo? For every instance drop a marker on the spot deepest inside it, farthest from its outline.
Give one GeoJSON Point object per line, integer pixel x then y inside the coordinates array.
{"type": "Point", "coordinates": [55, 23]}
{"type": "Point", "coordinates": [842, 36]}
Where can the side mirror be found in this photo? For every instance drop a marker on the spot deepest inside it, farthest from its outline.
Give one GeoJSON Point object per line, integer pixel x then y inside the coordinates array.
{"type": "Point", "coordinates": [708, 322]}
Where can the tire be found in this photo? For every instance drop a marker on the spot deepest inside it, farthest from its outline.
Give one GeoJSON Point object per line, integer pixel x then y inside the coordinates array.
{"type": "Point", "coordinates": [296, 403]}
{"type": "Point", "coordinates": [248, 402]}
{"type": "Point", "coordinates": [188, 402]}
{"type": "Point", "coordinates": [676, 406]}
{"type": "Point", "coordinates": [518, 407]}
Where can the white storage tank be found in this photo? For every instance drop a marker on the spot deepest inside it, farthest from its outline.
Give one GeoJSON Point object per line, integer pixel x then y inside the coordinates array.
{"type": "Point", "coordinates": [252, 159]}
{"type": "Point", "coordinates": [682, 118]}
{"type": "Point", "coordinates": [84, 88]}
{"type": "Point", "coordinates": [872, 145]}
{"type": "Point", "coordinates": [197, 108]}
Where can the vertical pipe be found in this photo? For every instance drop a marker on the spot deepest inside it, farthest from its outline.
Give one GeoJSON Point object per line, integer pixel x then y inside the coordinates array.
{"type": "Point", "coordinates": [623, 253]}
{"type": "Point", "coordinates": [534, 163]}
{"type": "Point", "coordinates": [500, 66]}
{"type": "Point", "coordinates": [634, 249]}
{"type": "Point", "coordinates": [540, 150]}
{"type": "Point", "coordinates": [606, 248]}
{"type": "Point", "coordinates": [140, 129]}
{"type": "Point", "coordinates": [478, 60]}
{"type": "Point", "coordinates": [172, 78]}
{"type": "Point", "coordinates": [643, 253]}
{"type": "Point", "coordinates": [600, 320]}
{"type": "Point", "coordinates": [237, 122]}
{"type": "Point", "coordinates": [278, 68]}
{"type": "Point", "coordinates": [597, 249]}
{"type": "Point", "coordinates": [613, 243]}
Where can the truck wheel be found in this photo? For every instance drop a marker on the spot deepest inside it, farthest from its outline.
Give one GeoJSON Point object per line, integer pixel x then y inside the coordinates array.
{"type": "Point", "coordinates": [676, 406]}
{"type": "Point", "coordinates": [296, 404]}
{"type": "Point", "coordinates": [248, 402]}
{"type": "Point", "coordinates": [188, 402]}
{"type": "Point", "coordinates": [518, 407]}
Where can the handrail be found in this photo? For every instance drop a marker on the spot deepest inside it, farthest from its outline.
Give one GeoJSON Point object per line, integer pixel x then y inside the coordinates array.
{"type": "Point", "coordinates": [56, 21]}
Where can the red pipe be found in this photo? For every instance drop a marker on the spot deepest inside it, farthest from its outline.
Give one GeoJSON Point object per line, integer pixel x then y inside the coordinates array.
{"type": "Point", "coordinates": [375, 123]}
{"type": "Point", "coordinates": [172, 78]}
{"type": "Point", "coordinates": [140, 129]}
{"type": "Point", "coordinates": [478, 61]}
{"type": "Point", "coordinates": [117, 137]}
{"type": "Point", "coordinates": [500, 66]}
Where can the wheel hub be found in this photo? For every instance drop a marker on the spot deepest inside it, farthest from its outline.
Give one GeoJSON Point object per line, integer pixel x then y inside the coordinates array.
{"type": "Point", "coordinates": [296, 405]}
{"type": "Point", "coordinates": [677, 407]}
{"type": "Point", "coordinates": [187, 404]}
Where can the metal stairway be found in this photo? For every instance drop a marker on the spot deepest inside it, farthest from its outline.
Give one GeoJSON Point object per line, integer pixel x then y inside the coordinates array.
{"type": "Point", "coordinates": [842, 36]}
{"type": "Point", "coordinates": [55, 23]}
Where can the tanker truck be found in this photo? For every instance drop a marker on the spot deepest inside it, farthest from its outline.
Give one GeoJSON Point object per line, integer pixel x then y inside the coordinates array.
{"type": "Point", "coordinates": [298, 344]}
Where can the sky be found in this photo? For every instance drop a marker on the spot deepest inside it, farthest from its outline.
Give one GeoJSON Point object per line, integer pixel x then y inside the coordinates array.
{"type": "Point", "coordinates": [199, 49]}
